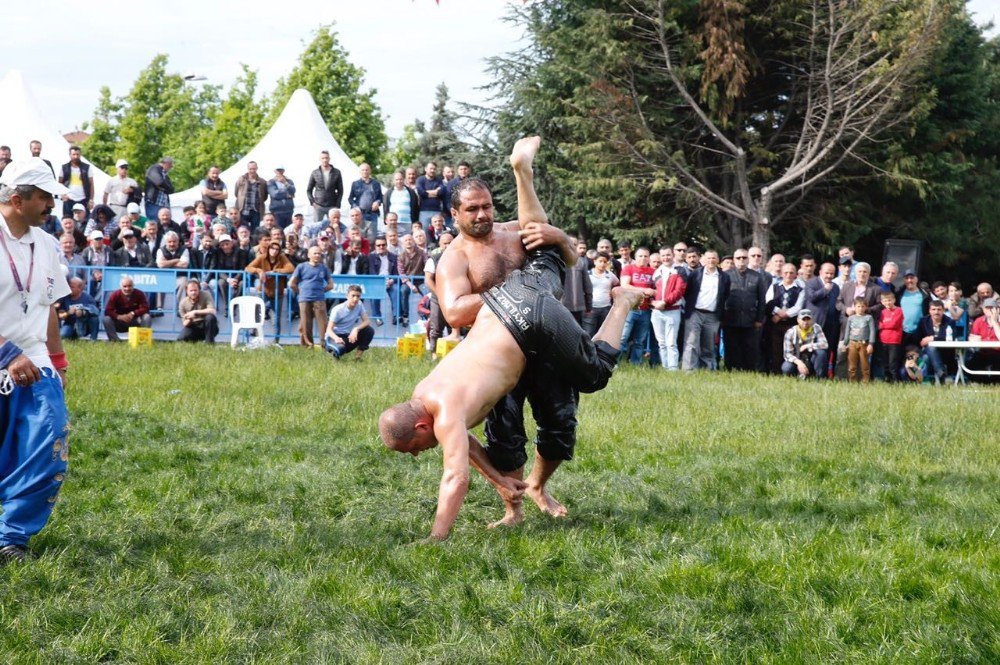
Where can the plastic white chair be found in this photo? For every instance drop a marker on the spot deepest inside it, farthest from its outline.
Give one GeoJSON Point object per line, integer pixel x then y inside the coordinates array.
{"type": "Point", "coordinates": [246, 313]}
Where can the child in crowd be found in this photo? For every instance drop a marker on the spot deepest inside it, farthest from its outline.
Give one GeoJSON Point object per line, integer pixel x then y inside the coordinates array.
{"type": "Point", "coordinates": [890, 336]}
{"type": "Point", "coordinates": [913, 366]}
{"type": "Point", "coordinates": [859, 340]}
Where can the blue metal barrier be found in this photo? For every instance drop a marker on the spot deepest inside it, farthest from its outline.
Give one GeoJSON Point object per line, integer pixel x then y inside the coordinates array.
{"type": "Point", "coordinates": [163, 287]}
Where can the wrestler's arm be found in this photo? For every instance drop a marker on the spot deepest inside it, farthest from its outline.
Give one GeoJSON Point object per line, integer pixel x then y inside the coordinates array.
{"type": "Point", "coordinates": [458, 304]}
{"type": "Point", "coordinates": [53, 343]}
{"type": "Point", "coordinates": [451, 433]}
{"type": "Point", "coordinates": [510, 489]}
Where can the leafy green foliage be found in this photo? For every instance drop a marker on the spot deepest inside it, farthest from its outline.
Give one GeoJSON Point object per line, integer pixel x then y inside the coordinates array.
{"type": "Point", "coordinates": [351, 113]}
{"type": "Point", "coordinates": [617, 132]}
{"type": "Point", "coordinates": [253, 516]}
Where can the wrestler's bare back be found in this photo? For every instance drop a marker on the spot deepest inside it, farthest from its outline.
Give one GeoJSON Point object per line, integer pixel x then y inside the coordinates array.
{"type": "Point", "coordinates": [475, 374]}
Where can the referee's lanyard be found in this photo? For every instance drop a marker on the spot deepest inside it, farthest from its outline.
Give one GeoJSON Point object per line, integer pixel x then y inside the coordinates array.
{"type": "Point", "coordinates": [21, 291]}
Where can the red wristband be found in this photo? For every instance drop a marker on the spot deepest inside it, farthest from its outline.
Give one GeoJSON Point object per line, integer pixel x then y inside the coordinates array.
{"type": "Point", "coordinates": [59, 361]}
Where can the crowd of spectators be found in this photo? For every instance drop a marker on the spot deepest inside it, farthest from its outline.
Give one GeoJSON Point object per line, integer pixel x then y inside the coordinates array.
{"type": "Point", "coordinates": [740, 312]}
{"type": "Point", "coordinates": [702, 311]}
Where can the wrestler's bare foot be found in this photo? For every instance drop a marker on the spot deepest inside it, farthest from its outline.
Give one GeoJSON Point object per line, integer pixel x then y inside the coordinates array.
{"type": "Point", "coordinates": [627, 295]}
{"type": "Point", "coordinates": [545, 502]}
{"type": "Point", "coordinates": [513, 515]}
{"type": "Point", "coordinates": [524, 153]}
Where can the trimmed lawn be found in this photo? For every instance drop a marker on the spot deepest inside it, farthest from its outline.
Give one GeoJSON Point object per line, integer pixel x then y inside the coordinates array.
{"type": "Point", "coordinates": [238, 507]}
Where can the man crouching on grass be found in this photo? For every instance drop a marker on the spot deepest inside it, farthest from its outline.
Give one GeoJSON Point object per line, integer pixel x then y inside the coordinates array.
{"type": "Point", "coordinates": [522, 319]}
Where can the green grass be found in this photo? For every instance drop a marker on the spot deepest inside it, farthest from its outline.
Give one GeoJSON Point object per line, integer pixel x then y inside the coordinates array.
{"type": "Point", "coordinates": [254, 517]}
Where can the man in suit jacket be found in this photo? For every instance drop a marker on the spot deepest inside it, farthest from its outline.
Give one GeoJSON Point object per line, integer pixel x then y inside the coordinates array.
{"type": "Point", "coordinates": [383, 262]}
{"type": "Point", "coordinates": [744, 314]}
{"type": "Point", "coordinates": [822, 294]}
{"type": "Point", "coordinates": [704, 301]}
{"type": "Point", "coordinates": [132, 254]}
{"type": "Point", "coordinates": [325, 188]}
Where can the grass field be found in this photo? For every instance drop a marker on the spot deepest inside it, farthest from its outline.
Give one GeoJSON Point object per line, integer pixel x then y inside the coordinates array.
{"type": "Point", "coordinates": [238, 507]}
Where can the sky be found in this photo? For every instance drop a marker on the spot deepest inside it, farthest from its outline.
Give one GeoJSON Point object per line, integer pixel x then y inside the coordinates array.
{"type": "Point", "coordinates": [407, 47]}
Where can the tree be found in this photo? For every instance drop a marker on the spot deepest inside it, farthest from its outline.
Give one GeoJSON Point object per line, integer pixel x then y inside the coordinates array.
{"type": "Point", "coordinates": [701, 120]}
{"type": "Point", "coordinates": [236, 126]}
{"type": "Point", "coordinates": [439, 142]}
{"type": "Point", "coordinates": [102, 144]}
{"type": "Point", "coordinates": [351, 114]}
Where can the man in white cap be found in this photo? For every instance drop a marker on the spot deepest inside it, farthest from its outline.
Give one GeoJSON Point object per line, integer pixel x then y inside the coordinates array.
{"type": "Point", "coordinates": [120, 189]}
{"type": "Point", "coordinates": [135, 215]}
{"type": "Point", "coordinates": [33, 418]}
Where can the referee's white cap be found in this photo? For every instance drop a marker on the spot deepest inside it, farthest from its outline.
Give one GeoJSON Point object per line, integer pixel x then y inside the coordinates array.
{"type": "Point", "coordinates": [32, 171]}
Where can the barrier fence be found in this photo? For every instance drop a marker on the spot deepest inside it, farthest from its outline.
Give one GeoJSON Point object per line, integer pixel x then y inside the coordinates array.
{"type": "Point", "coordinates": [165, 287]}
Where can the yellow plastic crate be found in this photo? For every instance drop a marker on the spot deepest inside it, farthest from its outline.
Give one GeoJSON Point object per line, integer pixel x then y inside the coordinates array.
{"type": "Point", "coordinates": [140, 337]}
{"type": "Point", "coordinates": [444, 346]}
{"type": "Point", "coordinates": [409, 347]}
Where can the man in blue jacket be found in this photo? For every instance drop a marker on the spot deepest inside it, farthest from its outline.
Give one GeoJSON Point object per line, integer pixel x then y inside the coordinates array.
{"type": "Point", "coordinates": [383, 262]}
{"type": "Point", "coordinates": [281, 192]}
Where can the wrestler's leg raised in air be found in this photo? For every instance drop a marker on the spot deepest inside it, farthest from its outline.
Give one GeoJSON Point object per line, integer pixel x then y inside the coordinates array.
{"type": "Point", "coordinates": [529, 208]}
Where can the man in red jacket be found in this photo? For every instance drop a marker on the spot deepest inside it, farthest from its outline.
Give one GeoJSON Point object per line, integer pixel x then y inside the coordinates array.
{"type": "Point", "coordinates": [126, 307]}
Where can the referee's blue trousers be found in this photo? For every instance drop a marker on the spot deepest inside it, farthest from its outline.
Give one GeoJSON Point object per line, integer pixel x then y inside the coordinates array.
{"type": "Point", "coordinates": [33, 456]}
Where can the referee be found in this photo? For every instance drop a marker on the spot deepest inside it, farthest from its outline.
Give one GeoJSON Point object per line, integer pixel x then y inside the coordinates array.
{"type": "Point", "coordinates": [33, 419]}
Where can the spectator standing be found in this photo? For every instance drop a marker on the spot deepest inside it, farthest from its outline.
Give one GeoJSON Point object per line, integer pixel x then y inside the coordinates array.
{"type": "Point", "coordinates": [402, 201]}
{"type": "Point", "coordinates": [281, 192]}
{"type": "Point", "coordinates": [158, 187]}
{"type": "Point", "coordinates": [366, 195]}
{"type": "Point", "coordinates": [859, 341]}
{"type": "Point", "coordinates": [743, 317]}
{"type": "Point", "coordinates": [325, 189]}
{"type": "Point", "coordinates": [602, 280]}
{"type": "Point", "coordinates": [119, 191]}
{"type": "Point", "coordinates": [213, 192]}
{"type": "Point", "coordinates": [251, 193]}
{"type": "Point", "coordinates": [784, 300]}
{"type": "Point", "coordinates": [890, 336]}
{"type": "Point", "coordinates": [310, 282]}
{"type": "Point", "coordinates": [430, 189]}
{"type": "Point", "coordinates": [578, 292]}
{"type": "Point", "coordinates": [410, 266]}
{"type": "Point", "coordinates": [75, 176]}
{"type": "Point", "coordinates": [704, 301]}
{"type": "Point", "coordinates": [914, 303]}
{"type": "Point", "coordinates": [198, 316]}
{"type": "Point", "coordinates": [385, 264]}
{"type": "Point", "coordinates": [635, 335]}
{"type": "Point", "coordinates": [665, 318]}
{"type": "Point", "coordinates": [821, 299]}
{"type": "Point", "coordinates": [349, 328]}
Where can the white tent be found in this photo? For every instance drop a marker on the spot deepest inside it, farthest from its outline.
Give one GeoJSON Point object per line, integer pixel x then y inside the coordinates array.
{"type": "Point", "coordinates": [294, 142]}
{"type": "Point", "coordinates": [22, 121]}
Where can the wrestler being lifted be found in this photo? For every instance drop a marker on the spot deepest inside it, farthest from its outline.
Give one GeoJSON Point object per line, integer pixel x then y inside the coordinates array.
{"type": "Point", "coordinates": [482, 256]}
{"type": "Point", "coordinates": [523, 322]}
